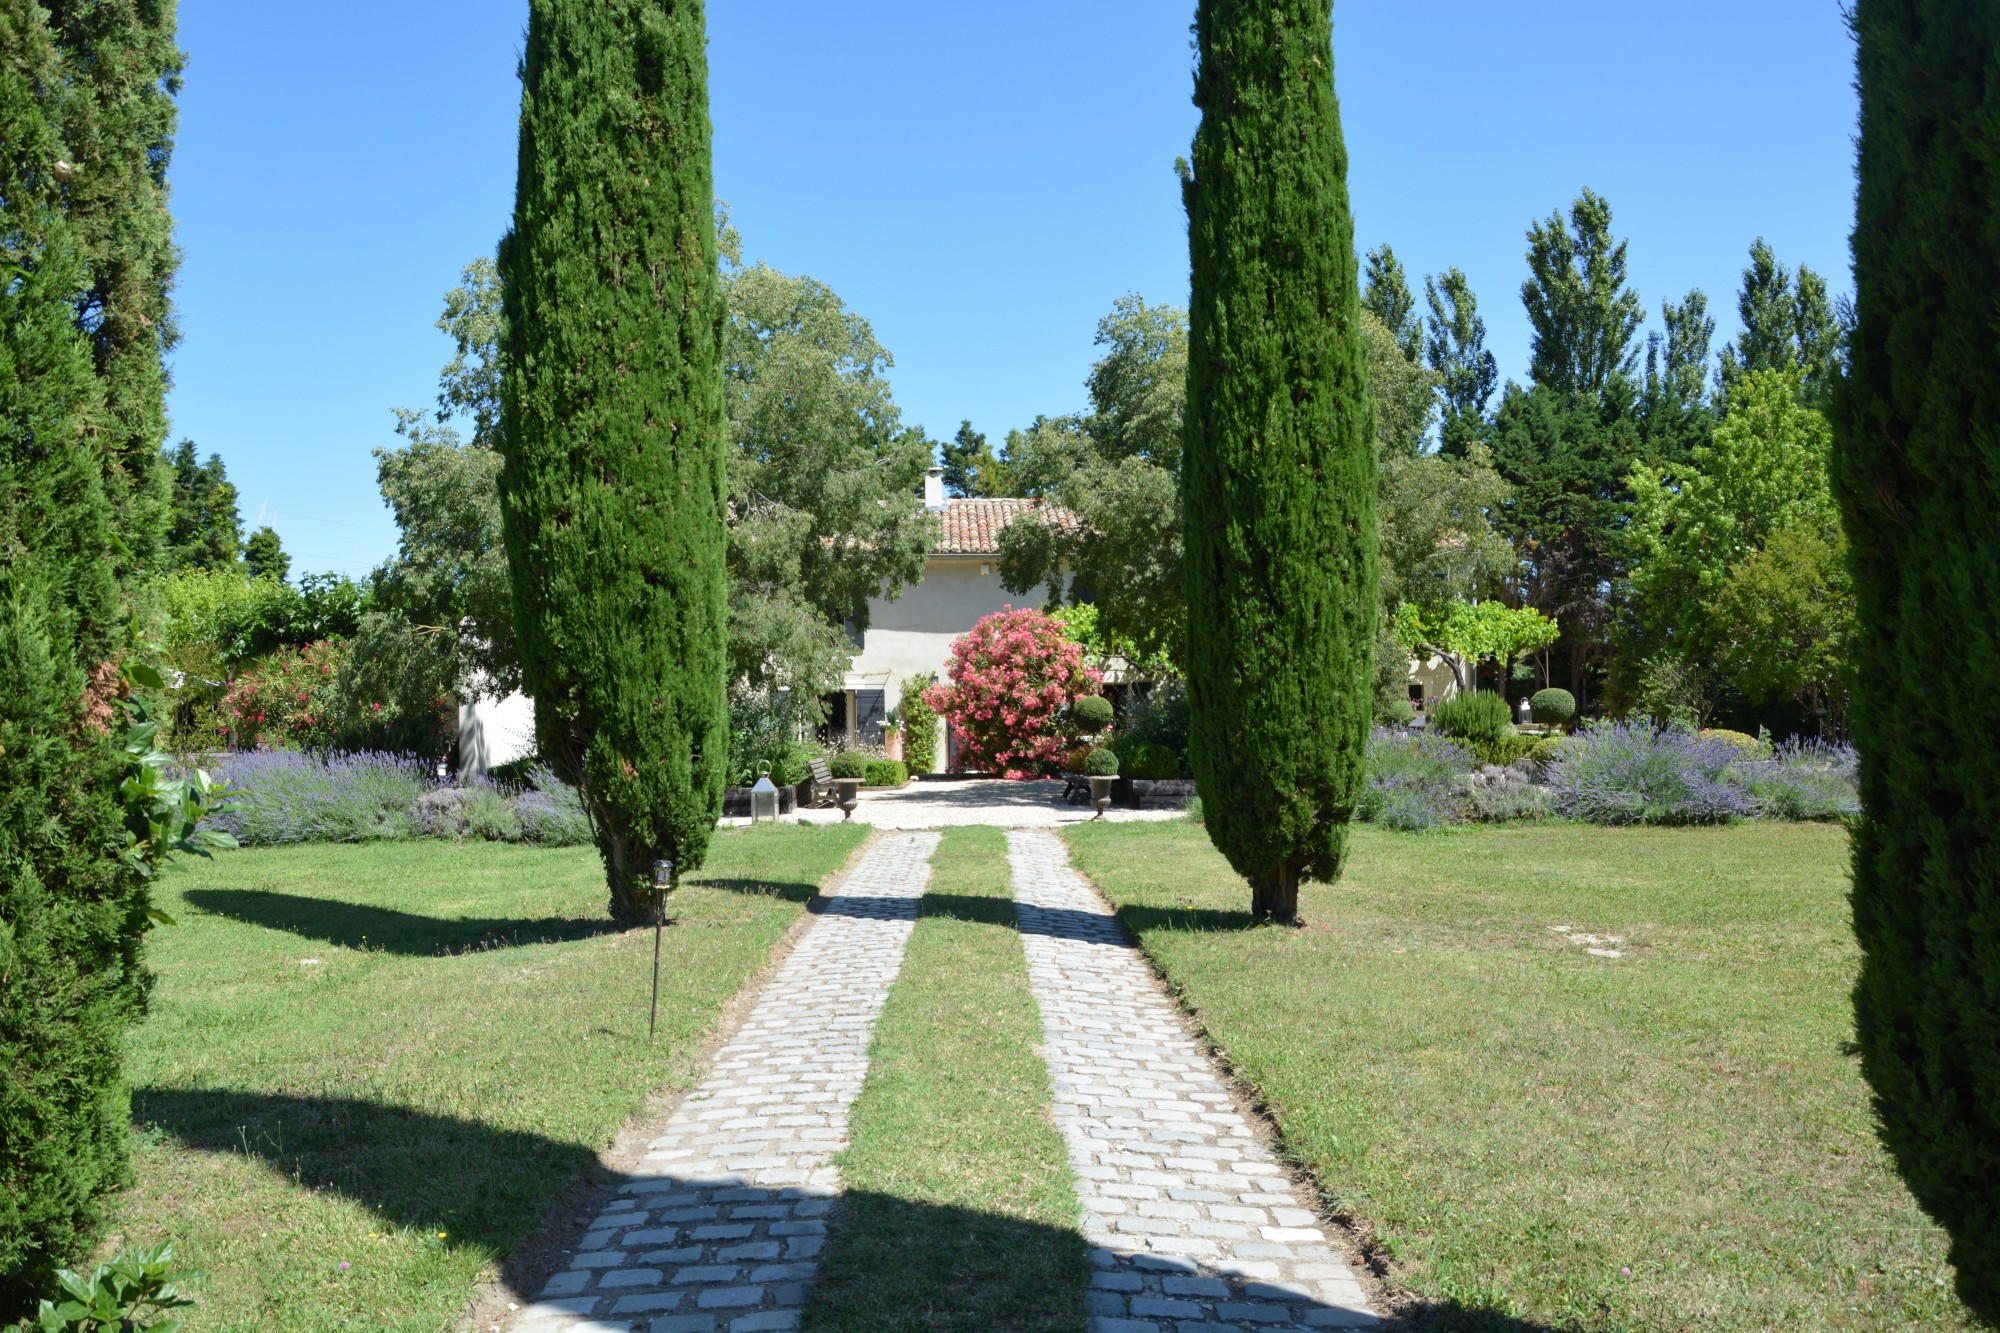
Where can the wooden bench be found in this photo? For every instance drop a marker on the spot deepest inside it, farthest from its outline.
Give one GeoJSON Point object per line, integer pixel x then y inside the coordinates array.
{"type": "Point", "coordinates": [1076, 788]}
{"type": "Point", "coordinates": [822, 783]}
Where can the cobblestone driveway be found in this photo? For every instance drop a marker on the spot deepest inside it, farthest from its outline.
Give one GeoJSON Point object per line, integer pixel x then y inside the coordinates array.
{"type": "Point", "coordinates": [723, 1228]}
{"type": "Point", "coordinates": [1195, 1225]}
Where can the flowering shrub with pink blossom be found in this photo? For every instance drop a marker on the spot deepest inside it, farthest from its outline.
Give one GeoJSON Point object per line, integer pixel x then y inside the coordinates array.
{"type": "Point", "coordinates": [1012, 678]}
{"type": "Point", "coordinates": [289, 699]}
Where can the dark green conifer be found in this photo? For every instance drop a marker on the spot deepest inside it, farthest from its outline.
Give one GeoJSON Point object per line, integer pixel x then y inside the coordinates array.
{"type": "Point", "coordinates": [119, 70]}
{"type": "Point", "coordinates": [71, 912]}
{"type": "Point", "coordinates": [1917, 472]}
{"type": "Point", "coordinates": [613, 426]}
{"type": "Point", "coordinates": [1278, 488]}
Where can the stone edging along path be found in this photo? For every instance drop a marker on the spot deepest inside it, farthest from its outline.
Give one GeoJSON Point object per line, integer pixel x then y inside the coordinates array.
{"type": "Point", "coordinates": [1193, 1224]}
{"type": "Point", "coordinates": [722, 1226]}
{"type": "Point", "coordinates": [1192, 1221]}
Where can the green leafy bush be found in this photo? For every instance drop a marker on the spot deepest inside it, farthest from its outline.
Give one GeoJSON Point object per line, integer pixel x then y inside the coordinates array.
{"type": "Point", "coordinates": [1473, 717]}
{"type": "Point", "coordinates": [1151, 762]}
{"type": "Point", "coordinates": [1101, 763]}
{"type": "Point", "coordinates": [1553, 708]}
{"type": "Point", "coordinates": [886, 773]}
{"type": "Point", "coordinates": [1746, 744]}
{"type": "Point", "coordinates": [129, 1293]}
{"type": "Point", "coordinates": [1505, 750]}
{"type": "Point", "coordinates": [848, 764]}
{"type": "Point", "coordinates": [1092, 714]}
{"type": "Point", "coordinates": [1545, 750]}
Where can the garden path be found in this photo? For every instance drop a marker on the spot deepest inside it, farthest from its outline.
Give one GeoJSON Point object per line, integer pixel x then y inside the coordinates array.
{"type": "Point", "coordinates": [1194, 1223]}
{"type": "Point", "coordinates": [723, 1224]}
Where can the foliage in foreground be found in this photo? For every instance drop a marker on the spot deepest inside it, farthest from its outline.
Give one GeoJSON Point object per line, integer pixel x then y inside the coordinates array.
{"type": "Point", "coordinates": [613, 423]}
{"type": "Point", "coordinates": [1278, 487]}
{"type": "Point", "coordinates": [1917, 470]}
{"type": "Point", "coordinates": [131, 1292]}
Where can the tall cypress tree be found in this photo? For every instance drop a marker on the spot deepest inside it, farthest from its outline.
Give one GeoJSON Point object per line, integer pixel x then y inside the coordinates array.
{"type": "Point", "coordinates": [1278, 487]}
{"type": "Point", "coordinates": [119, 70]}
{"type": "Point", "coordinates": [1917, 472]}
{"type": "Point", "coordinates": [71, 911]}
{"type": "Point", "coordinates": [613, 427]}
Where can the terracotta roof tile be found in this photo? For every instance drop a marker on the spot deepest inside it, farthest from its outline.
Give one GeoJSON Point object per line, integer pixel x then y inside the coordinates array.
{"type": "Point", "coordinates": [973, 527]}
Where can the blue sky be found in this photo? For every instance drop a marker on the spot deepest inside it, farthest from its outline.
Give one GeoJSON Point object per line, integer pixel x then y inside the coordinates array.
{"type": "Point", "coordinates": [979, 181]}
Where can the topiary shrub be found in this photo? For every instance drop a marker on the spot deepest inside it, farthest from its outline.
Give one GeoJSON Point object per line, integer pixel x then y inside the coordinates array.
{"type": "Point", "coordinates": [1473, 717]}
{"type": "Point", "coordinates": [848, 764]}
{"type": "Point", "coordinates": [1152, 763]}
{"type": "Point", "coordinates": [1092, 714]}
{"type": "Point", "coordinates": [1746, 744]}
{"type": "Point", "coordinates": [1101, 763]}
{"type": "Point", "coordinates": [1504, 750]}
{"type": "Point", "coordinates": [886, 773]}
{"type": "Point", "coordinates": [1553, 708]}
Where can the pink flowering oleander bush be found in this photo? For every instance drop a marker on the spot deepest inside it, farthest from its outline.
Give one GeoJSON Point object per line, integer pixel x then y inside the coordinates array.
{"type": "Point", "coordinates": [1012, 678]}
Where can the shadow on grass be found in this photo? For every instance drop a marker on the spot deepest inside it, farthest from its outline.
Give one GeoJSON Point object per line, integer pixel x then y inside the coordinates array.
{"type": "Point", "coordinates": [792, 891]}
{"type": "Point", "coordinates": [892, 1265]}
{"type": "Point", "coordinates": [480, 1185]}
{"type": "Point", "coordinates": [357, 926]}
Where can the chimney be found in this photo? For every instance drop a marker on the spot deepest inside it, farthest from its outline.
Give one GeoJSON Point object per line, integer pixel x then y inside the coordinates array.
{"type": "Point", "coordinates": [934, 489]}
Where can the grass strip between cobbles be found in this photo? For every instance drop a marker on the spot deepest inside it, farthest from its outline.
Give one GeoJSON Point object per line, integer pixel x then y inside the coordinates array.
{"type": "Point", "coordinates": [959, 1211]}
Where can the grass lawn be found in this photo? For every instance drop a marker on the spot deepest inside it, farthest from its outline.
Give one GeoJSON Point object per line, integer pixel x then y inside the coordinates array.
{"type": "Point", "coordinates": [396, 1056]}
{"type": "Point", "coordinates": [959, 1212]}
{"type": "Point", "coordinates": [1520, 1122]}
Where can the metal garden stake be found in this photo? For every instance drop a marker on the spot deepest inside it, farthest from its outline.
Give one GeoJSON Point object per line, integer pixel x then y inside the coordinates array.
{"type": "Point", "coordinates": [663, 879]}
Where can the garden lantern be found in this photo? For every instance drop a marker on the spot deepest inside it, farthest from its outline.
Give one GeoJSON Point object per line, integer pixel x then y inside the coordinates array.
{"type": "Point", "coordinates": [663, 879]}
{"type": "Point", "coordinates": [1526, 712]}
{"type": "Point", "coordinates": [764, 797]}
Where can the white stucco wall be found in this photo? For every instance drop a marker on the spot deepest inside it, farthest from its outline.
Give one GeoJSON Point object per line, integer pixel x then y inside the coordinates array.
{"type": "Point", "coordinates": [492, 732]}
{"type": "Point", "coordinates": [913, 634]}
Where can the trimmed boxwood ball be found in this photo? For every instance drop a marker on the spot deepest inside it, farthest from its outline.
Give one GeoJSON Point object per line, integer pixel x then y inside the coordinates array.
{"type": "Point", "coordinates": [848, 764]}
{"type": "Point", "coordinates": [1553, 708]}
{"type": "Point", "coordinates": [885, 773]}
{"type": "Point", "coordinates": [1092, 714]}
{"type": "Point", "coordinates": [1101, 763]}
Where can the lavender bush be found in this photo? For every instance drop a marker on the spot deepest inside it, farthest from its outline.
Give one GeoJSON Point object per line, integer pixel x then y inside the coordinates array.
{"type": "Point", "coordinates": [287, 796]}
{"type": "Point", "coordinates": [1416, 780]}
{"type": "Point", "coordinates": [1804, 779]}
{"type": "Point", "coordinates": [551, 811]}
{"type": "Point", "coordinates": [1632, 773]}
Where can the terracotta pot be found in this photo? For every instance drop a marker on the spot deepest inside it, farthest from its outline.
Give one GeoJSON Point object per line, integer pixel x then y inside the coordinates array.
{"type": "Point", "coordinates": [892, 742]}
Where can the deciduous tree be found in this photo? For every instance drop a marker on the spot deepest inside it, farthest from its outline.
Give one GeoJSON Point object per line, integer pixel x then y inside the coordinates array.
{"type": "Point", "coordinates": [1455, 350]}
{"type": "Point", "coordinates": [1279, 485]}
{"type": "Point", "coordinates": [1581, 313]}
{"type": "Point", "coordinates": [1385, 294]}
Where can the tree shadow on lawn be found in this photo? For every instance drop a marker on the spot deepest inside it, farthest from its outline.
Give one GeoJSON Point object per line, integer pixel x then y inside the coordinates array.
{"type": "Point", "coordinates": [357, 926]}
{"type": "Point", "coordinates": [891, 1263]}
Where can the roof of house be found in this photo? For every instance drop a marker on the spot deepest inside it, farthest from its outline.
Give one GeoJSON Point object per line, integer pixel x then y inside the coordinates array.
{"type": "Point", "coordinates": [973, 527]}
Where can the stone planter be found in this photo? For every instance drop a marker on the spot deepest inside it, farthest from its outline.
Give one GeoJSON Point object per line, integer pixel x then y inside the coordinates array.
{"type": "Point", "coordinates": [1100, 792]}
{"type": "Point", "coordinates": [847, 795]}
{"type": "Point", "coordinates": [736, 801]}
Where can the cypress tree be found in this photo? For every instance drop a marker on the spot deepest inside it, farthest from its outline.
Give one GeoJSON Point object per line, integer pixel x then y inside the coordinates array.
{"type": "Point", "coordinates": [1917, 473]}
{"type": "Point", "coordinates": [71, 911]}
{"type": "Point", "coordinates": [613, 426]}
{"type": "Point", "coordinates": [119, 70]}
{"type": "Point", "coordinates": [1278, 487]}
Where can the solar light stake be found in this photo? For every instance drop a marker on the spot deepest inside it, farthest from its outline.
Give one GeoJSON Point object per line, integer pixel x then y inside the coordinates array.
{"type": "Point", "coordinates": [663, 878]}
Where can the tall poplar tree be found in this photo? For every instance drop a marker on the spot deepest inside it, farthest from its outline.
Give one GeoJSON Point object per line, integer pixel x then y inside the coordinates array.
{"type": "Point", "coordinates": [1582, 315]}
{"type": "Point", "coordinates": [1278, 483]}
{"type": "Point", "coordinates": [1917, 474]}
{"type": "Point", "coordinates": [1455, 349]}
{"type": "Point", "coordinates": [1385, 292]}
{"type": "Point", "coordinates": [613, 426]}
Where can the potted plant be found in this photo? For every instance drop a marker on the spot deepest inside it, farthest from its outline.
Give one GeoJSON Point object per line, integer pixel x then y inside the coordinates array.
{"type": "Point", "coordinates": [849, 771]}
{"type": "Point", "coordinates": [892, 735]}
{"type": "Point", "coordinates": [1101, 767]}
